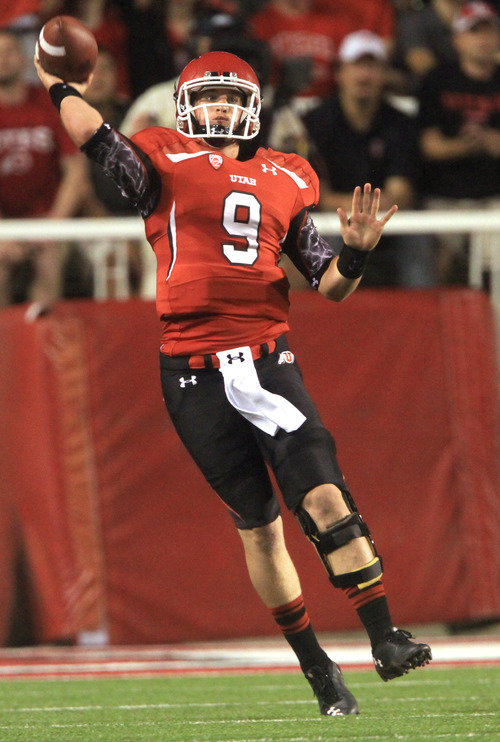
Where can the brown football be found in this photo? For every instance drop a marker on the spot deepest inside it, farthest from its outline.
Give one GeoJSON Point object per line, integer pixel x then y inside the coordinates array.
{"type": "Point", "coordinates": [67, 49]}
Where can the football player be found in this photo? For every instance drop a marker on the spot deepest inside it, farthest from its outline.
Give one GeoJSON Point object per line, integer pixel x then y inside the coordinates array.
{"type": "Point", "coordinates": [218, 225]}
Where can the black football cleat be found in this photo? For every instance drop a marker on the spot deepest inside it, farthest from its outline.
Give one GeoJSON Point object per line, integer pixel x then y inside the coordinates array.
{"type": "Point", "coordinates": [396, 654]}
{"type": "Point", "coordinates": [328, 686]}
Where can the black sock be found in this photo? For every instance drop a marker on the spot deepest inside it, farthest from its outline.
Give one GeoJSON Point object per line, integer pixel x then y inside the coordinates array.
{"type": "Point", "coordinates": [373, 610]}
{"type": "Point", "coordinates": [293, 620]}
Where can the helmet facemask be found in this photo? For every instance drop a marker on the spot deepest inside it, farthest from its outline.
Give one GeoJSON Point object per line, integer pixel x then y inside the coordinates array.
{"type": "Point", "coordinates": [244, 123]}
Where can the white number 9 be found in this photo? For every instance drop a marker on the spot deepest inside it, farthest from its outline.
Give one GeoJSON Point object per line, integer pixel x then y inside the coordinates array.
{"type": "Point", "coordinates": [241, 218]}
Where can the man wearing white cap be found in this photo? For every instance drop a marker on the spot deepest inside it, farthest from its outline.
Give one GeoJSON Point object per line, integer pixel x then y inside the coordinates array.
{"type": "Point", "coordinates": [460, 126]}
{"type": "Point", "coordinates": [357, 134]}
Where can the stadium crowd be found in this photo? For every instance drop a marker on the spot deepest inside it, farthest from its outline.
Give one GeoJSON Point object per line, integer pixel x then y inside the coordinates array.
{"type": "Point", "coordinates": [401, 93]}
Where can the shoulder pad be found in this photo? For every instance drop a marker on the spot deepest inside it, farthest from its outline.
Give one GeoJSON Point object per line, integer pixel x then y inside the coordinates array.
{"type": "Point", "coordinates": [297, 167]}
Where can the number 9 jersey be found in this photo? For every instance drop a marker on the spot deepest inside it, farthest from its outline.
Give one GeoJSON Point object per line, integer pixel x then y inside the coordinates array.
{"type": "Point", "coordinates": [217, 229]}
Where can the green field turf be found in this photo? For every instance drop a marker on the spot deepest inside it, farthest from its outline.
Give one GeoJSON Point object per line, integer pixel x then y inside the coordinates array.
{"type": "Point", "coordinates": [433, 704]}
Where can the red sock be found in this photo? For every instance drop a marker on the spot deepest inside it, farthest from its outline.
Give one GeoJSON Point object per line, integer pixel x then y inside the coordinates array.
{"type": "Point", "coordinates": [362, 597]}
{"type": "Point", "coordinates": [291, 617]}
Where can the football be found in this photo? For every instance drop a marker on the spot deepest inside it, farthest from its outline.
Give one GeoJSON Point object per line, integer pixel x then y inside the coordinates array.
{"type": "Point", "coordinates": [67, 49]}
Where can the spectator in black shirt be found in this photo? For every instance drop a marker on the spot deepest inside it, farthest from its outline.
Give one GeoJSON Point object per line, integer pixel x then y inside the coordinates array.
{"type": "Point", "coordinates": [359, 137]}
{"type": "Point", "coordinates": [460, 126]}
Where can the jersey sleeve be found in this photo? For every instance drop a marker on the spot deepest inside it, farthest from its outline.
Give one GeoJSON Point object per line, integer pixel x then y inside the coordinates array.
{"type": "Point", "coordinates": [307, 249]}
{"type": "Point", "coordinates": [309, 252]}
{"type": "Point", "coordinates": [130, 167]}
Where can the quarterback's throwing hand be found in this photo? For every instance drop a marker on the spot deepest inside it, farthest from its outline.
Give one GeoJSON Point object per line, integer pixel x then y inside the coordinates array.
{"type": "Point", "coordinates": [48, 80]}
{"type": "Point", "coordinates": [362, 230]}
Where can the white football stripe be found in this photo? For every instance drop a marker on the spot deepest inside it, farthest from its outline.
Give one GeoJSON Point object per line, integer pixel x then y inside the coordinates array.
{"type": "Point", "coordinates": [301, 183]}
{"type": "Point", "coordinates": [186, 155]}
{"type": "Point", "coordinates": [54, 51]}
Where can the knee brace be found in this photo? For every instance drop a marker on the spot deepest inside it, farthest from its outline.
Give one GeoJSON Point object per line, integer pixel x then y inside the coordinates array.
{"type": "Point", "coordinates": [338, 535]}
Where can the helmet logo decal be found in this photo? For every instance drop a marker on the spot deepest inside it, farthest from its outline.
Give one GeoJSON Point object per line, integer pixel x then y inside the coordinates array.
{"type": "Point", "coordinates": [215, 160]}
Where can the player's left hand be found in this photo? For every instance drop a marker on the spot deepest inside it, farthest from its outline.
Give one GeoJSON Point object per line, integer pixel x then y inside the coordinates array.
{"type": "Point", "coordinates": [362, 230]}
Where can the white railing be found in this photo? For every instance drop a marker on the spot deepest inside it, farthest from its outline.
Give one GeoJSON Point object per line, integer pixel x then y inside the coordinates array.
{"type": "Point", "coordinates": [404, 222]}
{"type": "Point", "coordinates": [106, 243]}
{"type": "Point", "coordinates": [109, 235]}
{"type": "Point", "coordinates": [482, 226]}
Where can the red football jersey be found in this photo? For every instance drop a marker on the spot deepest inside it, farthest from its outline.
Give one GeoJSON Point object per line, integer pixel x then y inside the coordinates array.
{"type": "Point", "coordinates": [216, 233]}
{"type": "Point", "coordinates": [32, 143]}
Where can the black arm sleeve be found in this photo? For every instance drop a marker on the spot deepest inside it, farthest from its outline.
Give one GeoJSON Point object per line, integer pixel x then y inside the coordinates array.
{"type": "Point", "coordinates": [307, 250]}
{"type": "Point", "coordinates": [127, 165]}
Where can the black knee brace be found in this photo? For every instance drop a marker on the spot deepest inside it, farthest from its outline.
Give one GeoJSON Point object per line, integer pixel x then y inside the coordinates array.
{"type": "Point", "coordinates": [338, 535]}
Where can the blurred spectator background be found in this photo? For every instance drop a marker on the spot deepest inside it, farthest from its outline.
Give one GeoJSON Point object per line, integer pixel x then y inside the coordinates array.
{"type": "Point", "coordinates": [42, 174]}
{"type": "Point", "coordinates": [134, 31]}
{"type": "Point", "coordinates": [424, 38]}
{"type": "Point", "coordinates": [24, 18]}
{"type": "Point", "coordinates": [459, 122]}
{"type": "Point", "coordinates": [294, 47]}
{"type": "Point", "coordinates": [304, 36]}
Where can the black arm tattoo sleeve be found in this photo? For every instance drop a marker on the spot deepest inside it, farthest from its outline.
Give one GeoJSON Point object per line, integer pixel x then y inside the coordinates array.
{"type": "Point", "coordinates": [307, 250]}
{"type": "Point", "coordinates": [127, 165]}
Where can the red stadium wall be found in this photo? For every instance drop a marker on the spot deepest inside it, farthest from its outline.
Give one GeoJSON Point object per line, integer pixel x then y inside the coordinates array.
{"type": "Point", "coordinates": [120, 532]}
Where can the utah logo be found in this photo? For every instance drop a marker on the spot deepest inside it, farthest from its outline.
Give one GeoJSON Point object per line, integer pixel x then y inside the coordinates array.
{"type": "Point", "coordinates": [286, 356]}
{"type": "Point", "coordinates": [215, 160]}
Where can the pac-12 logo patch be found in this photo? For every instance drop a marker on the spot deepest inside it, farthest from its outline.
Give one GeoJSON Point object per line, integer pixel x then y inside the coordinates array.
{"type": "Point", "coordinates": [286, 356]}
{"type": "Point", "coordinates": [215, 160]}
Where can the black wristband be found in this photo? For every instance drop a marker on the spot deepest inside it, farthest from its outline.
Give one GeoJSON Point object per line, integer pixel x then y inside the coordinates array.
{"type": "Point", "coordinates": [351, 262]}
{"type": "Point", "coordinates": [60, 90]}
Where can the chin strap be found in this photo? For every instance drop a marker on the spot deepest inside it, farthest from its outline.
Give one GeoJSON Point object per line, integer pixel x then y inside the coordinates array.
{"type": "Point", "coordinates": [218, 143]}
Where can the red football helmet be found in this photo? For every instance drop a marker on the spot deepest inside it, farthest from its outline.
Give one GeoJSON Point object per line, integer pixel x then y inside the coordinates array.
{"type": "Point", "coordinates": [218, 69]}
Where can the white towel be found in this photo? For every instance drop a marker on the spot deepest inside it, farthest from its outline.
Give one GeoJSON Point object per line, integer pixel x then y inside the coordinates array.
{"type": "Point", "coordinates": [266, 410]}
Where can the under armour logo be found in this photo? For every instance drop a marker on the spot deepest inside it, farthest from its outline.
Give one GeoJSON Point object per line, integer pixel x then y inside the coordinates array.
{"type": "Point", "coordinates": [239, 357]}
{"type": "Point", "coordinates": [184, 382]}
{"type": "Point", "coordinates": [266, 169]}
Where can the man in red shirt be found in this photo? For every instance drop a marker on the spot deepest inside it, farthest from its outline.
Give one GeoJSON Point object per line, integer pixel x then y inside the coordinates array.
{"type": "Point", "coordinates": [303, 44]}
{"type": "Point", "coordinates": [218, 225]}
{"type": "Point", "coordinates": [304, 37]}
{"type": "Point", "coordinates": [377, 16]}
{"type": "Point", "coordinates": [42, 172]}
